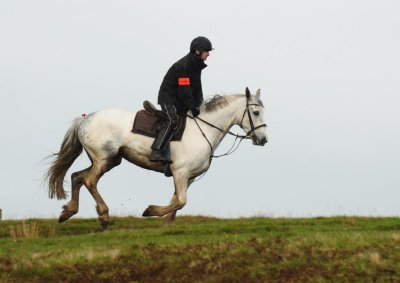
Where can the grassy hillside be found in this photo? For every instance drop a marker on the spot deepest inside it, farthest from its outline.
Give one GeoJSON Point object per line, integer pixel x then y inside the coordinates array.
{"type": "Point", "coordinates": [200, 249]}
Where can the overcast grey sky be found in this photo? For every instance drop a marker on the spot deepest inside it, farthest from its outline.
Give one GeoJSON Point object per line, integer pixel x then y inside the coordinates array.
{"type": "Point", "coordinates": [328, 72]}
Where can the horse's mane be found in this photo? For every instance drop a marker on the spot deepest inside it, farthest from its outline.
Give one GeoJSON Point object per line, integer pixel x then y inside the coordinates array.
{"type": "Point", "coordinates": [219, 101]}
{"type": "Point", "coordinates": [214, 103]}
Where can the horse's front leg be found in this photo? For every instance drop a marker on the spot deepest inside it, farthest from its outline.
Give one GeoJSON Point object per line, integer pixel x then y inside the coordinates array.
{"type": "Point", "coordinates": [177, 202]}
{"type": "Point", "coordinates": [170, 218]}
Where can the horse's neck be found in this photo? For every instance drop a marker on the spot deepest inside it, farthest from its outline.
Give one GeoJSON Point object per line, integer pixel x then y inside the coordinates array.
{"type": "Point", "coordinates": [224, 119]}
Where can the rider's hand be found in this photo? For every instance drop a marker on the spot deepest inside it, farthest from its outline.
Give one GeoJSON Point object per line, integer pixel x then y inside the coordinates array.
{"type": "Point", "coordinates": [195, 111]}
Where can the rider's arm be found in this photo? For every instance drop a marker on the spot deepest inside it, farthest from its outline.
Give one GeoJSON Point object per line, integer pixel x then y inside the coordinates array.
{"type": "Point", "coordinates": [184, 91]}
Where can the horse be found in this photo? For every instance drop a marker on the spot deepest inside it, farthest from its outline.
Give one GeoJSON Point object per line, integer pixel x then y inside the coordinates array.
{"type": "Point", "coordinates": [107, 138]}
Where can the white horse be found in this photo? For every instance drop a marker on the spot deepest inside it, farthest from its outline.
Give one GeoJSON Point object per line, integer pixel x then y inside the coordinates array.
{"type": "Point", "coordinates": [107, 138]}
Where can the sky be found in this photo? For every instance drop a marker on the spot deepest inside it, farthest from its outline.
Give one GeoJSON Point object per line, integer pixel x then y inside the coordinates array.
{"type": "Point", "coordinates": [329, 77]}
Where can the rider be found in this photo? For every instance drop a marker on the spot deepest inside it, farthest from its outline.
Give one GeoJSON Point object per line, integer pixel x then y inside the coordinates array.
{"type": "Point", "coordinates": [180, 91]}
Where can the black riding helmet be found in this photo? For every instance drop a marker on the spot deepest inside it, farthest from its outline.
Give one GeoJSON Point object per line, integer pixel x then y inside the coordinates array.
{"type": "Point", "coordinates": [201, 43]}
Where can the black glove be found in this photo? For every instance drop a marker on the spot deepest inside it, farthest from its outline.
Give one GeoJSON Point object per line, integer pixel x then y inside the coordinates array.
{"type": "Point", "coordinates": [195, 112]}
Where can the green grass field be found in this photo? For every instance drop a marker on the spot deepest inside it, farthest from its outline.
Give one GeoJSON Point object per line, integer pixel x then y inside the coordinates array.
{"type": "Point", "coordinates": [201, 249]}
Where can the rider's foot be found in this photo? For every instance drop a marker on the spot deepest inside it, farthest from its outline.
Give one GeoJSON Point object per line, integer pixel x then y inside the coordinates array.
{"type": "Point", "coordinates": [161, 156]}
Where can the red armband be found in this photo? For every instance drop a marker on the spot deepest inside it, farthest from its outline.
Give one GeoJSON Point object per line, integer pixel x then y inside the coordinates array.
{"type": "Point", "coordinates": [183, 81]}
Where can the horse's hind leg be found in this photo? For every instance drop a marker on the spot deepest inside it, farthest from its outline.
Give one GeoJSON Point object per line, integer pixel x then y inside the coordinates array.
{"type": "Point", "coordinates": [72, 206]}
{"type": "Point", "coordinates": [98, 169]}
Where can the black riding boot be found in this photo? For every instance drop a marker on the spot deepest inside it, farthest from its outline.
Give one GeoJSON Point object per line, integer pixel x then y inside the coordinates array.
{"type": "Point", "coordinates": [163, 155]}
{"type": "Point", "coordinates": [160, 146]}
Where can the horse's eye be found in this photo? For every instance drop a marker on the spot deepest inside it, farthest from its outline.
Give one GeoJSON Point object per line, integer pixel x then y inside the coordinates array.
{"type": "Point", "coordinates": [256, 113]}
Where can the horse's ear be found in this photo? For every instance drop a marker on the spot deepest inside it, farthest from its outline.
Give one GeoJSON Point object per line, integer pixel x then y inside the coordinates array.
{"type": "Point", "coordinates": [247, 93]}
{"type": "Point", "coordinates": [258, 93]}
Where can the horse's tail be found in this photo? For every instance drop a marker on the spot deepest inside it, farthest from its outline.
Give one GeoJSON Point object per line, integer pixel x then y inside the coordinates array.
{"type": "Point", "coordinates": [70, 149]}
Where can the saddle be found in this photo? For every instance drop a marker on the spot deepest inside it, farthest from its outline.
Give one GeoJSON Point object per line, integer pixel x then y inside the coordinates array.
{"type": "Point", "coordinates": [149, 120]}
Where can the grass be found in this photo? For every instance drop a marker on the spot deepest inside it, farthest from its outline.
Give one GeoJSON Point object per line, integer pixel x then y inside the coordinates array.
{"type": "Point", "coordinates": [24, 231]}
{"type": "Point", "coordinates": [201, 249]}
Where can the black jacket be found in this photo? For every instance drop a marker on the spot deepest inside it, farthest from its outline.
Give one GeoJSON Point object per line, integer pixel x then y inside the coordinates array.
{"type": "Point", "coordinates": [181, 85]}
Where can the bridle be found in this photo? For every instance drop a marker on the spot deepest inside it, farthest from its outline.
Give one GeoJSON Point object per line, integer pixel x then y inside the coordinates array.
{"type": "Point", "coordinates": [251, 132]}
{"type": "Point", "coordinates": [234, 147]}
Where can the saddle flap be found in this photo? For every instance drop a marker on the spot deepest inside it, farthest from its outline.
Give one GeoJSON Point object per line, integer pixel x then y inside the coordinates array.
{"type": "Point", "coordinates": [147, 123]}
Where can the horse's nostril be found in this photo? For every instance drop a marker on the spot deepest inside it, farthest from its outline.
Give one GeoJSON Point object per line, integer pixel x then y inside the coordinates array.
{"type": "Point", "coordinates": [264, 141]}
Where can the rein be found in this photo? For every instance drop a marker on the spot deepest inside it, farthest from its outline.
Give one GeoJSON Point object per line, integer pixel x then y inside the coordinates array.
{"type": "Point", "coordinates": [234, 147]}
{"type": "Point", "coordinates": [231, 150]}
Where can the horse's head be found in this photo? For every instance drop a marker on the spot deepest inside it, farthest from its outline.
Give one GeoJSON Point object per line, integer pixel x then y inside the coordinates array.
{"type": "Point", "coordinates": [253, 119]}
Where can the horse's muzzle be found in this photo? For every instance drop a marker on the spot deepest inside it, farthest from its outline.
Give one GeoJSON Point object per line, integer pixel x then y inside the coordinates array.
{"type": "Point", "coordinates": [257, 141]}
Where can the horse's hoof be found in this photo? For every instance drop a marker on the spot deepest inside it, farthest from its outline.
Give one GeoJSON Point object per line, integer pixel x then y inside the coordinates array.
{"type": "Point", "coordinates": [63, 217]}
{"type": "Point", "coordinates": [146, 213]}
{"type": "Point", "coordinates": [104, 224]}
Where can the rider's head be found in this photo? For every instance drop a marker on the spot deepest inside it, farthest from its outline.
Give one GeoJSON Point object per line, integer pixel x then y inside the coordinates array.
{"type": "Point", "coordinates": [201, 47]}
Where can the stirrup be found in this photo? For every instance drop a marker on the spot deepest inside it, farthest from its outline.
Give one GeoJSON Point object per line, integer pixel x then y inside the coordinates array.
{"type": "Point", "coordinates": [159, 156]}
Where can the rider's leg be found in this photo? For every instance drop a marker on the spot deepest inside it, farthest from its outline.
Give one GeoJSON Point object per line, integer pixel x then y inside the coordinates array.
{"type": "Point", "coordinates": [160, 145]}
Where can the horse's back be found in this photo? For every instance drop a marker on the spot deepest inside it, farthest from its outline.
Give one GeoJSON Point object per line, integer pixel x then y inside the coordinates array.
{"type": "Point", "coordinates": [106, 129]}
{"type": "Point", "coordinates": [110, 117]}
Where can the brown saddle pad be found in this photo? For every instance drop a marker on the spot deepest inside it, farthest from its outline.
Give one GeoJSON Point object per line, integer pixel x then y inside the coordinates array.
{"type": "Point", "coordinates": [146, 123]}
